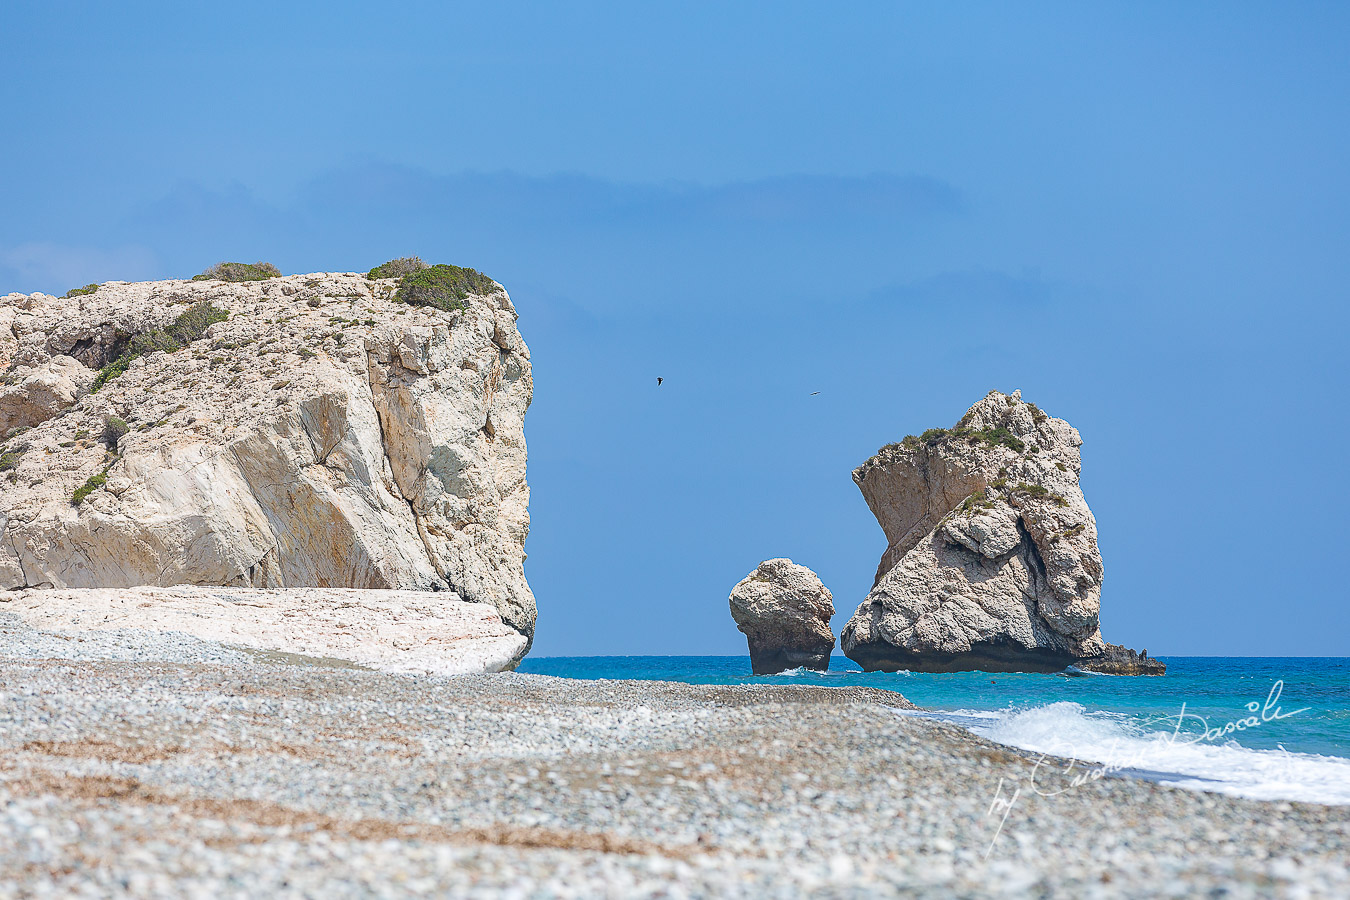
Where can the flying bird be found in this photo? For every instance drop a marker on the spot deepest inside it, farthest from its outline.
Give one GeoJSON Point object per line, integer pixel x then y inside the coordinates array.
{"type": "Point", "coordinates": [813, 393]}
{"type": "Point", "coordinates": [659, 379]}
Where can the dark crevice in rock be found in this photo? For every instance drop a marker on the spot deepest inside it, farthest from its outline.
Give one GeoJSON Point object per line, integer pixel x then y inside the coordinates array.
{"type": "Point", "coordinates": [1031, 558]}
{"type": "Point", "coordinates": [95, 353]}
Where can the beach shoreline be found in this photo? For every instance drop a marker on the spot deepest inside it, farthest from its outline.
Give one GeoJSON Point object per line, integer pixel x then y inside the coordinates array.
{"type": "Point", "coordinates": [197, 769]}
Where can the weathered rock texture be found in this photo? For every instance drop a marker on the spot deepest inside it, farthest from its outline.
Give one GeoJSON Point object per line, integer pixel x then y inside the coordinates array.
{"type": "Point", "coordinates": [784, 612]}
{"type": "Point", "coordinates": [322, 436]}
{"type": "Point", "coordinates": [992, 560]}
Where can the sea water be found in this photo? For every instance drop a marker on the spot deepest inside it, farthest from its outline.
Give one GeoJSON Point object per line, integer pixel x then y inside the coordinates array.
{"type": "Point", "coordinates": [1271, 728]}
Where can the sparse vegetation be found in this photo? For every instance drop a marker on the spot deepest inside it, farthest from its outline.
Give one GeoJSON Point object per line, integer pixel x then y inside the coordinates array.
{"type": "Point", "coordinates": [237, 272]}
{"type": "Point", "coordinates": [94, 483]}
{"type": "Point", "coordinates": [81, 291]}
{"type": "Point", "coordinates": [994, 437]}
{"type": "Point", "coordinates": [977, 502]}
{"type": "Point", "coordinates": [9, 459]}
{"type": "Point", "coordinates": [998, 437]}
{"type": "Point", "coordinates": [442, 287]}
{"type": "Point", "coordinates": [190, 325]}
{"type": "Point", "coordinates": [1040, 492]}
{"type": "Point", "coordinates": [1036, 414]}
{"type": "Point", "coordinates": [397, 268]}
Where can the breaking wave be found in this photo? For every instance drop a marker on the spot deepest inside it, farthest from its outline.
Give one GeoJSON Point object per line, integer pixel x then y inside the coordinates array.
{"type": "Point", "coordinates": [1161, 750]}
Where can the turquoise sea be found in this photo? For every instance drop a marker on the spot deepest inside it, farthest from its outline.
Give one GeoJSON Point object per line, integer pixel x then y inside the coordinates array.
{"type": "Point", "coordinates": [1264, 727]}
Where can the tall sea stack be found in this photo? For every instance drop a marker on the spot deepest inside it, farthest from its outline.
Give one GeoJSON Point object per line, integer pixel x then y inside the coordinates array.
{"type": "Point", "coordinates": [992, 561]}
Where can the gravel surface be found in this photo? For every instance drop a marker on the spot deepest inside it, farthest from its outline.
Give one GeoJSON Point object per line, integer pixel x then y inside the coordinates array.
{"type": "Point", "coordinates": [163, 766]}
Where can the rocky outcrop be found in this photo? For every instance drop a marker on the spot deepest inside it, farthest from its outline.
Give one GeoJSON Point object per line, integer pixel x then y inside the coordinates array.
{"type": "Point", "coordinates": [784, 612]}
{"type": "Point", "coordinates": [41, 391]}
{"type": "Point", "coordinates": [321, 435]}
{"type": "Point", "coordinates": [992, 559]}
{"type": "Point", "coordinates": [1118, 660]}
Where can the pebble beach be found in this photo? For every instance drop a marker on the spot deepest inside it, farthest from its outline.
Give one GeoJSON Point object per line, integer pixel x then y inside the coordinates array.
{"type": "Point", "coordinates": [160, 765]}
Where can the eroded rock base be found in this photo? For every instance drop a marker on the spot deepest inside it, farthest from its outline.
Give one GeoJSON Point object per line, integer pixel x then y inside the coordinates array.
{"type": "Point", "coordinates": [772, 660]}
{"type": "Point", "coordinates": [987, 657]}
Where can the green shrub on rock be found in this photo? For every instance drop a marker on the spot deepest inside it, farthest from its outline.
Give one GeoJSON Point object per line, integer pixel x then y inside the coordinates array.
{"type": "Point", "coordinates": [190, 325]}
{"type": "Point", "coordinates": [1041, 492]}
{"type": "Point", "coordinates": [236, 272]}
{"type": "Point", "coordinates": [994, 437]}
{"type": "Point", "coordinates": [81, 291]}
{"type": "Point", "coordinates": [94, 483]}
{"type": "Point", "coordinates": [977, 502]}
{"type": "Point", "coordinates": [397, 268]}
{"type": "Point", "coordinates": [443, 287]}
{"type": "Point", "coordinates": [997, 436]}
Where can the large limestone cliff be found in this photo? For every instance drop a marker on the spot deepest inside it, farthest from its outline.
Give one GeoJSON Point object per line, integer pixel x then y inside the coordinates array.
{"type": "Point", "coordinates": [323, 435]}
{"type": "Point", "coordinates": [992, 559]}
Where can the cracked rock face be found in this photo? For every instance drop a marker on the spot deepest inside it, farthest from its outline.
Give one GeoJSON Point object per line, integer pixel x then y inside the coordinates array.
{"type": "Point", "coordinates": [322, 436]}
{"type": "Point", "coordinates": [992, 559]}
{"type": "Point", "coordinates": [784, 612]}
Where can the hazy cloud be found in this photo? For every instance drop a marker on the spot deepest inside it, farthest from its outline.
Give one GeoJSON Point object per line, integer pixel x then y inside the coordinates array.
{"type": "Point", "coordinates": [972, 287]}
{"type": "Point", "coordinates": [796, 199]}
{"type": "Point", "coordinates": [608, 245]}
{"type": "Point", "coordinates": [56, 268]}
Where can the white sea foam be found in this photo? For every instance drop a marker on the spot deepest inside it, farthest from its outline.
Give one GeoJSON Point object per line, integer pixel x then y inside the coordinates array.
{"type": "Point", "coordinates": [1112, 744]}
{"type": "Point", "coordinates": [804, 671]}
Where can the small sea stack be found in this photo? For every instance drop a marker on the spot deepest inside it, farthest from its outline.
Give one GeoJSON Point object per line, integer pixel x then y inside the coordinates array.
{"type": "Point", "coordinates": [784, 611]}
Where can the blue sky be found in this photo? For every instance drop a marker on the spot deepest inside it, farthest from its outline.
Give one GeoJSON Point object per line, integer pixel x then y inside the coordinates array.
{"type": "Point", "coordinates": [1136, 213]}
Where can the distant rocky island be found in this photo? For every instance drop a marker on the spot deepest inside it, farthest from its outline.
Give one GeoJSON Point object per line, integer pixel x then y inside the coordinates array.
{"type": "Point", "coordinates": [247, 430]}
{"type": "Point", "coordinates": [991, 562]}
